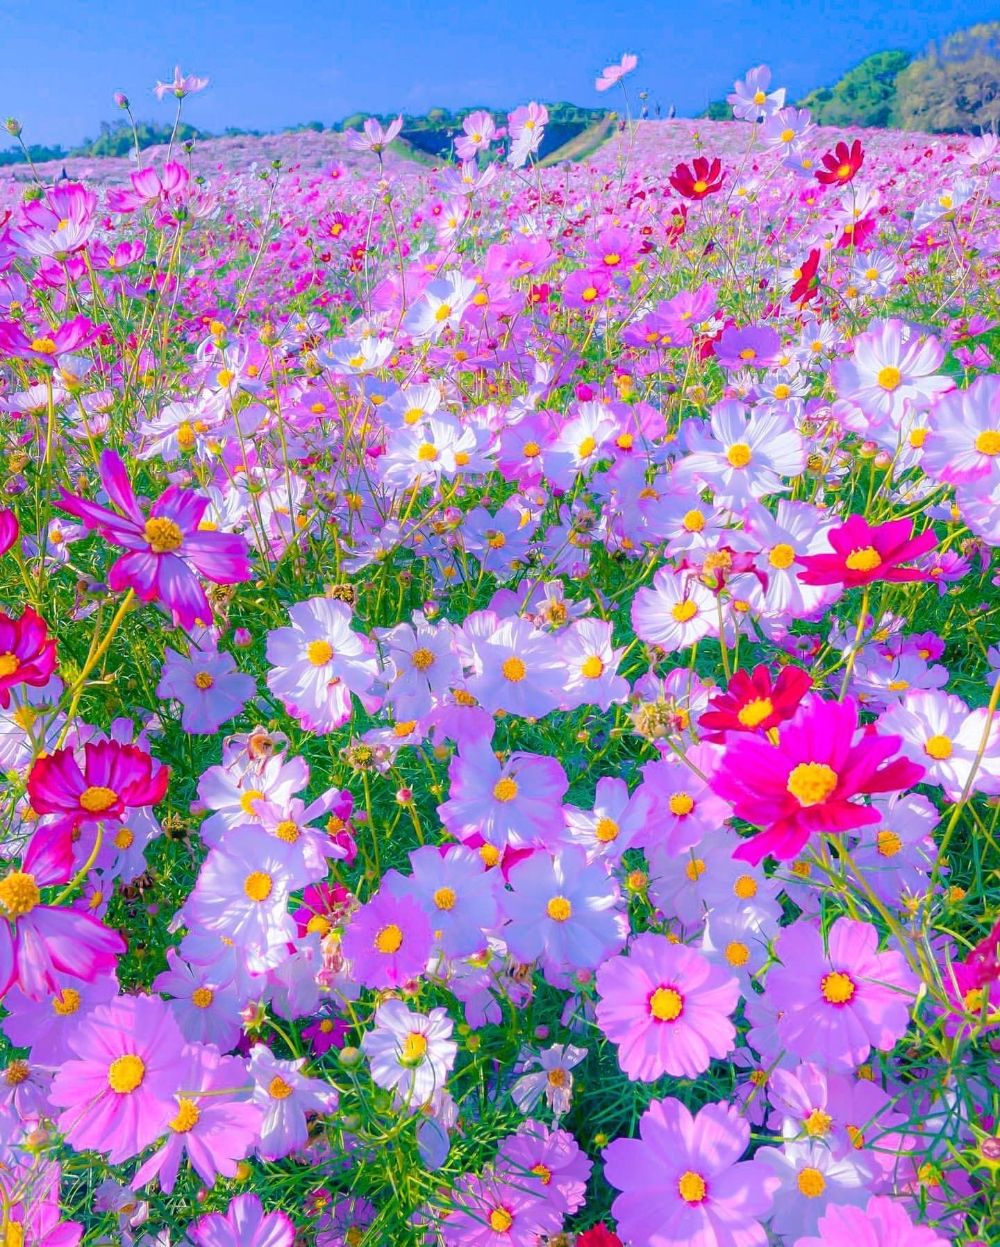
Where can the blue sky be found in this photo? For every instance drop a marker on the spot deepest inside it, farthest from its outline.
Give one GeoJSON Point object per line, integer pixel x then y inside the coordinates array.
{"type": "Point", "coordinates": [273, 63]}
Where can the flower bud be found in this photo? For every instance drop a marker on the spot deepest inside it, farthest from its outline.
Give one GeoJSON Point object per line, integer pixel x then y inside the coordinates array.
{"type": "Point", "coordinates": [120, 99]}
{"type": "Point", "coordinates": [13, 127]}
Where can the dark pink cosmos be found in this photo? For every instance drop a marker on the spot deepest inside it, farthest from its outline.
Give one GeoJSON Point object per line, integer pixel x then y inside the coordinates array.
{"type": "Point", "coordinates": [864, 554]}
{"type": "Point", "coordinates": [48, 344]}
{"type": "Point", "coordinates": [165, 548]}
{"type": "Point", "coordinates": [27, 653]}
{"type": "Point", "coordinates": [114, 779]}
{"type": "Point", "coordinates": [8, 529]}
{"type": "Point", "coordinates": [49, 941]}
{"type": "Point", "coordinates": [807, 782]}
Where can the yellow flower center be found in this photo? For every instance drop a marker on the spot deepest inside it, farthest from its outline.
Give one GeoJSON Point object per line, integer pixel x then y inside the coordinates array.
{"type": "Point", "coordinates": [699, 186]}
{"type": "Point", "coordinates": [745, 887]}
{"type": "Point", "coordinates": [591, 668]}
{"type": "Point", "coordinates": [759, 97]}
{"type": "Point", "coordinates": [781, 556]}
{"type": "Point", "coordinates": [445, 898]}
{"type": "Point", "coordinates": [559, 909]}
{"type": "Point", "coordinates": [126, 1073]}
{"type": "Point", "coordinates": [737, 953]}
{"type": "Point", "coordinates": [248, 799]}
{"type": "Point", "coordinates": [681, 803]}
{"type": "Point", "coordinates": [837, 988]}
{"type": "Point", "coordinates": [938, 748]}
{"type": "Point", "coordinates": [505, 789]}
{"type": "Point", "coordinates": [288, 831]}
{"type": "Point", "coordinates": [319, 653]}
{"type": "Point", "coordinates": [695, 869]}
{"type": "Point", "coordinates": [96, 800]}
{"type": "Point", "coordinates": [888, 378]}
{"type": "Point", "coordinates": [19, 893]}
{"type": "Point", "coordinates": [683, 611]}
{"type": "Point", "coordinates": [9, 663]}
{"type": "Point", "coordinates": [188, 1115]}
{"type": "Point", "coordinates": [810, 1182]}
{"type": "Point", "coordinates": [44, 346]}
{"type": "Point", "coordinates": [124, 839]}
{"type": "Point", "coordinates": [66, 1002]}
{"type": "Point", "coordinates": [586, 447]}
{"type": "Point", "coordinates": [162, 534]}
{"type": "Point", "coordinates": [258, 885]}
{"type": "Point", "coordinates": [514, 669]}
{"type": "Point", "coordinates": [666, 1004]}
{"type": "Point", "coordinates": [427, 453]}
{"type": "Point", "coordinates": [739, 454]}
{"type": "Point", "coordinates": [865, 559]}
{"type": "Point", "coordinates": [500, 1220]}
{"type": "Point", "coordinates": [691, 1187]}
{"type": "Point", "coordinates": [531, 450]}
{"type": "Point", "coordinates": [811, 783]}
{"type": "Point", "coordinates": [755, 712]}
{"type": "Point", "coordinates": [422, 658]}
{"type": "Point", "coordinates": [203, 680]}
{"type": "Point", "coordinates": [888, 843]}
{"type": "Point", "coordinates": [414, 1048]}
{"type": "Point", "coordinates": [278, 1089]}
{"type": "Point", "coordinates": [988, 442]}
{"type": "Point", "coordinates": [818, 1123]}
{"type": "Point", "coordinates": [202, 997]}
{"type": "Point", "coordinates": [787, 134]}
{"type": "Point", "coordinates": [606, 830]}
{"type": "Point", "coordinates": [389, 939]}
{"type": "Point", "coordinates": [16, 1073]}
{"type": "Point", "coordinates": [782, 391]}
{"type": "Point", "coordinates": [693, 522]}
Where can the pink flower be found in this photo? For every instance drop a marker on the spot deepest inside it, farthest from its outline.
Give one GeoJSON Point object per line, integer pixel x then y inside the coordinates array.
{"type": "Point", "coordinates": [682, 1181]}
{"type": "Point", "coordinates": [388, 941]}
{"type": "Point", "coordinates": [8, 529]}
{"type": "Point", "coordinates": [808, 781]}
{"type": "Point", "coordinates": [865, 554]}
{"type": "Point", "coordinates": [667, 1008]}
{"type": "Point", "coordinates": [183, 84]}
{"type": "Point", "coordinates": [883, 1223]}
{"type": "Point", "coordinates": [47, 347]}
{"type": "Point", "coordinates": [614, 73]}
{"type": "Point", "coordinates": [27, 653]}
{"type": "Point", "coordinates": [244, 1224]}
{"type": "Point", "coordinates": [166, 548]}
{"type": "Point", "coordinates": [836, 1005]}
{"type": "Point", "coordinates": [119, 1093]}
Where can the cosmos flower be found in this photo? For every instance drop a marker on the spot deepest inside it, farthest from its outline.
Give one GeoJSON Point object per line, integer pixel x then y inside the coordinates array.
{"type": "Point", "coordinates": [27, 652]}
{"type": "Point", "coordinates": [890, 367]}
{"type": "Point", "coordinates": [883, 1222]}
{"type": "Point", "coordinates": [752, 702]}
{"type": "Point", "coordinates": [410, 1053]}
{"type": "Point", "coordinates": [682, 1178]}
{"type": "Point", "coordinates": [838, 1003]}
{"type": "Point", "coordinates": [243, 1224]}
{"type": "Point", "coordinates": [165, 549]}
{"type": "Point", "coordinates": [667, 1008]}
{"type": "Point", "coordinates": [285, 1095]}
{"type": "Point", "coordinates": [182, 84]}
{"type": "Point", "coordinates": [807, 782]}
{"type": "Point", "coordinates": [840, 165]}
{"type": "Point", "coordinates": [388, 941]}
{"type": "Point", "coordinates": [611, 74]}
{"type": "Point", "coordinates": [209, 688]}
{"type": "Point", "coordinates": [864, 554]}
{"type": "Point", "coordinates": [703, 177]}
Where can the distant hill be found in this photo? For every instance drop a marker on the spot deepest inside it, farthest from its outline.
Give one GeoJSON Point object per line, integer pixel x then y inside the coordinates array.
{"type": "Point", "coordinates": [953, 88]}
{"type": "Point", "coordinates": [431, 133]}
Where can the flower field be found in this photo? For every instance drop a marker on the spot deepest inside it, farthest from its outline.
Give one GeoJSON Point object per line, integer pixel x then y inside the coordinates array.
{"type": "Point", "coordinates": [499, 675]}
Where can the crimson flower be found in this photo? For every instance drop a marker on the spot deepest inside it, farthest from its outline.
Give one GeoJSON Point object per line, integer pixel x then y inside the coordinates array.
{"type": "Point", "coordinates": [806, 283]}
{"type": "Point", "coordinates": [114, 778]}
{"type": "Point", "coordinates": [753, 703]}
{"type": "Point", "coordinates": [705, 179]}
{"type": "Point", "coordinates": [808, 781]}
{"type": "Point", "coordinates": [841, 164]}
{"type": "Point", "coordinates": [598, 1236]}
{"type": "Point", "coordinates": [8, 529]}
{"type": "Point", "coordinates": [27, 653]}
{"type": "Point", "coordinates": [864, 554]}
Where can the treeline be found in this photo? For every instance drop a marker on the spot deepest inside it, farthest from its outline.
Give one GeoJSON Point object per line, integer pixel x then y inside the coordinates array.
{"type": "Point", "coordinates": [953, 88]}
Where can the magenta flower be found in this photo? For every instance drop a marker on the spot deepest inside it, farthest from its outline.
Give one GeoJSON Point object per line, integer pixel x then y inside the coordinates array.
{"type": "Point", "coordinates": [113, 779]}
{"type": "Point", "coordinates": [27, 653]}
{"type": "Point", "coordinates": [167, 549]}
{"type": "Point", "coordinates": [388, 941]}
{"type": "Point", "coordinates": [118, 1095]}
{"type": "Point", "coordinates": [244, 1224]}
{"type": "Point", "coordinates": [682, 1181]}
{"type": "Point", "coordinates": [49, 941]}
{"type": "Point", "coordinates": [808, 781]}
{"type": "Point", "coordinates": [667, 1008]}
{"type": "Point", "coordinates": [48, 347]}
{"type": "Point", "coordinates": [215, 1125]}
{"type": "Point", "coordinates": [884, 1222]}
{"type": "Point", "coordinates": [866, 553]}
{"type": "Point", "coordinates": [835, 1005]}
{"type": "Point", "coordinates": [8, 529]}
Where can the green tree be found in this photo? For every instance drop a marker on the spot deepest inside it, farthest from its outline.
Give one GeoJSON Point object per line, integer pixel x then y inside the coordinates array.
{"type": "Point", "coordinates": [956, 86]}
{"type": "Point", "coordinates": [865, 96]}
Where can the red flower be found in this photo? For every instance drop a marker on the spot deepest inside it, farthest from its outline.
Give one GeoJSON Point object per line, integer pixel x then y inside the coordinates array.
{"type": "Point", "coordinates": [865, 554]}
{"type": "Point", "coordinates": [706, 179]}
{"type": "Point", "coordinates": [114, 778]}
{"type": "Point", "coordinates": [752, 703]}
{"type": "Point", "coordinates": [841, 164]}
{"type": "Point", "coordinates": [806, 283]}
{"type": "Point", "coordinates": [27, 653]}
{"type": "Point", "coordinates": [598, 1236]}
